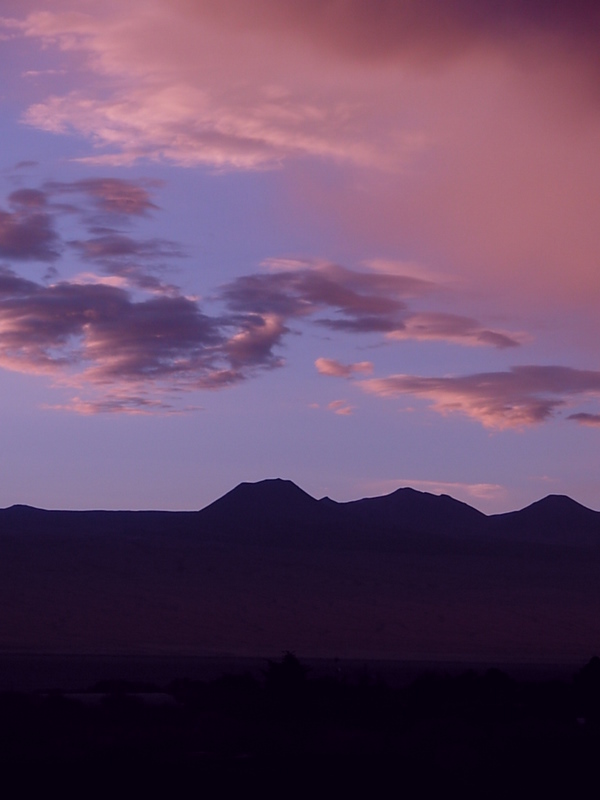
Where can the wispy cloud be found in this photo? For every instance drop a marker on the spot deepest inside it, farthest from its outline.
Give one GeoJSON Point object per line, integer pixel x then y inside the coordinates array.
{"type": "Point", "coordinates": [593, 420]}
{"type": "Point", "coordinates": [159, 107]}
{"type": "Point", "coordinates": [438, 326]}
{"type": "Point", "coordinates": [462, 128]}
{"type": "Point", "coordinates": [111, 195]}
{"type": "Point", "coordinates": [132, 341]}
{"type": "Point", "coordinates": [27, 231]}
{"type": "Point", "coordinates": [254, 343]}
{"type": "Point", "coordinates": [30, 231]}
{"type": "Point", "coordinates": [522, 396]}
{"type": "Point", "coordinates": [97, 335]}
{"type": "Point", "coordinates": [111, 404]}
{"type": "Point", "coordinates": [27, 164]}
{"type": "Point", "coordinates": [127, 331]}
{"type": "Point", "coordinates": [480, 491]}
{"type": "Point", "coordinates": [329, 366]}
{"type": "Point", "coordinates": [361, 301]}
{"type": "Point", "coordinates": [429, 31]}
{"type": "Point", "coordinates": [139, 262]}
{"type": "Point", "coordinates": [341, 407]}
{"type": "Point", "coordinates": [366, 301]}
{"type": "Point", "coordinates": [38, 73]}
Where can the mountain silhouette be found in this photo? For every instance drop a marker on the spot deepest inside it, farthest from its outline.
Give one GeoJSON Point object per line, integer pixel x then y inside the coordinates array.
{"type": "Point", "coordinates": [276, 493]}
{"type": "Point", "coordinates": [553, 518]}
{"type": "Point", "coordinates": [411, 510]}
{"type": "Point", "coordinates": [267, 568]}
{"type": "Point", "coordinates": [269, 502]}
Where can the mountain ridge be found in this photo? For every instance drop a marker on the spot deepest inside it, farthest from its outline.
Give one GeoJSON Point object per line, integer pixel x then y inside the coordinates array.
{"type": "Point", "coordinates": [276, 485]}
{"type": "Point", "coordinates": [267, 568]}
{"type": "Point", "coordinates": [277, 512]}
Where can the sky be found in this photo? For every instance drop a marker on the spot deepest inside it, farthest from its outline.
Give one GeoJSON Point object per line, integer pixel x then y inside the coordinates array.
{"type": "Point", "coordinates": [351, 243]}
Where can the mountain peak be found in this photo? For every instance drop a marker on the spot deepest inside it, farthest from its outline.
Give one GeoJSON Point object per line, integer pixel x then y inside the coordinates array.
{"type": "Point", "coordinates": [557, 505]}
{"type": "Point", "coordinates": [555, 518]}
{"type": "Point", "coordinates": [270, 489]}
{"type": "Point", "coordinates": [559, 501]}
{"type": "Point", "coordinates": [276, 494]}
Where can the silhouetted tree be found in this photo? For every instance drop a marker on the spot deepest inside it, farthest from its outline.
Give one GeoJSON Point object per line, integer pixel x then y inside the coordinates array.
{"type": "Point", "coordinates": [287, 694]}
{"type": "Point", "coordinates": [586, 686]}
{"type": "Point", "coordinates": [286, 677]}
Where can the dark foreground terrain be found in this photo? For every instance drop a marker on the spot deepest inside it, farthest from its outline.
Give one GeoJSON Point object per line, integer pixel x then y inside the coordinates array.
{"type": "Point", "coordinates": [405, 576]}
{"type": "Point", "coordinates": [288, 734]}
{"type": "Point", "coordinates": [401, 578]}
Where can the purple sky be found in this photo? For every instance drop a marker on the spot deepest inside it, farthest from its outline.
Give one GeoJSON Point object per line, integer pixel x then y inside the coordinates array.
{"type": "Point", "coordinates": [355, 244]}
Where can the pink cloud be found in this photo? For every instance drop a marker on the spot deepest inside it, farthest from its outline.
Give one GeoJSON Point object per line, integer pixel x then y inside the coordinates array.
{"type": "Point", "coordinates": [159, 108]}
{"type": "Point", "coordinates": [329, 366]}
{"type": "Point", "coordinates": [522, 396]}
{"type": "Point", "coordinates": [31, 230]}
{"type": "Point", "coordinates": [90, 332]}
{"type": "Point", "coordinates": [593, 420]}
{"type": "Point", "coordinates": [111, 404]}
{"type": "Point", "coordinates": [137, 262]}
{"type": "Point", "coordinates": [27, 231]}
{"type": "Point", "coordinates": [255, 342]}
{"type": "Point", "coordinates": [68, 323]}
{"type": "Point", "coordinates": [112, 244]}
{"type": "Point", "coordinates": [126, 333]}
{"type": "Point", "coordinates": [503, 193]}
{"type": "Point", "coordinates": [354, 301]}
{"type": "Point", "coordinates": [251, 114]}
{"type": "Point", "coordinates": [341, 407]}
{"type": "Point", "coordinates": [112, 195]}
{"type": "Point", "coordinates": [475, 124]}
{"type": "Point", "coordinates": [431, 30]}
{"type": "Point", "coordinates": [451, 328]}
{"type": "Point", "coordinates": [363, 300]}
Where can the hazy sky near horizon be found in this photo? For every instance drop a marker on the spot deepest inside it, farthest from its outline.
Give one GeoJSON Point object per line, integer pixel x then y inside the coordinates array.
{"type": "Point", "coordinates": [352, 243]}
